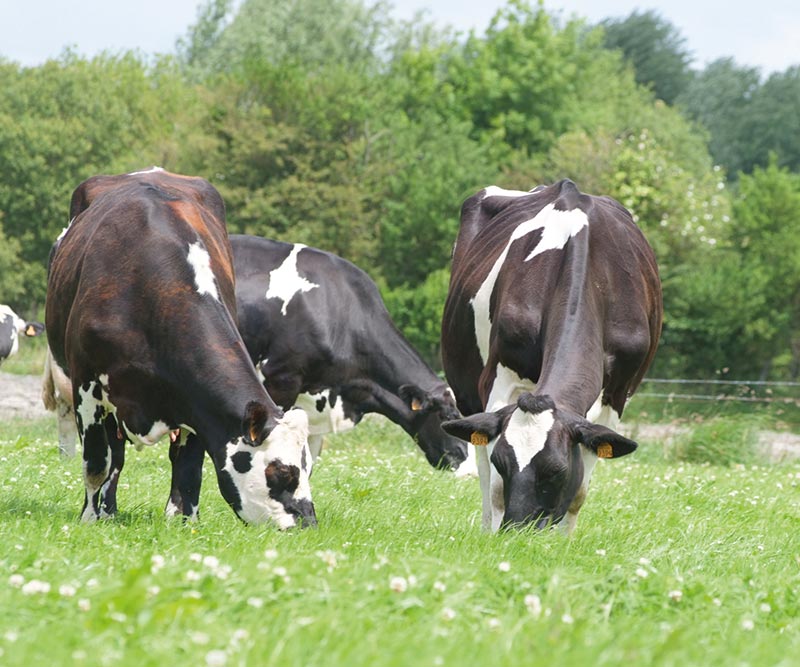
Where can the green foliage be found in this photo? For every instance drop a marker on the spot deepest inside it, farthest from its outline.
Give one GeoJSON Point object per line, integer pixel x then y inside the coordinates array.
{"type": "Point", "coordinates": [417, 312]}
{"type": "Point", "coordinates": [721, 441]}
{"type": "Point", "coordinates": [655, 49]}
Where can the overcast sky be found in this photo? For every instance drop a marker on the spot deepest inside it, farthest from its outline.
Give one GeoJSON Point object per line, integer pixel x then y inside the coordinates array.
{"type": "Point", "coordinates": [765, 34]}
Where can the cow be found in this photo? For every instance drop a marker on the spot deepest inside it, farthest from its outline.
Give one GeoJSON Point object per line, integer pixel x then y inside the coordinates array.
{"type": "Point", "coordinates": [318, 330]}
{"type": "Point", "coordinates": [552, 318]}
{"type": "Point", "coordinates": [11, 327]}
{"type": "Point", "coordinates": [140, 315]}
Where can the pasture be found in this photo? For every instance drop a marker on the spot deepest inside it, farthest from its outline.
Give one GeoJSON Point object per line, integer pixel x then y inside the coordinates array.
{"type": "Point", "coordinates": [672, 563]}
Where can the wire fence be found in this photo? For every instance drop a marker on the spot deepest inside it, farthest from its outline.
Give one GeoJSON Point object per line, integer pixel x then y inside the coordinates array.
{"type": "Point", "coordinates": [777, 401]}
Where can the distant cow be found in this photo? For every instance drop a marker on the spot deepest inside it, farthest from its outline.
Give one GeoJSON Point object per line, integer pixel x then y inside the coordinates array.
{"type": "Point", "coordinates": [317, 328]}
{"type": "Point", "coordinates": [11, 327]}
{"type": "Point", "coordinates": [552, 318]}
{"type": "Point", "coordinates": [141, 316]}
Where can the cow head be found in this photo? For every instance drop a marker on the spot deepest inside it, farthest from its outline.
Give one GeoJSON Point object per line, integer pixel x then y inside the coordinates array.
{"type": "Point", "coordinates": [539, 456]}
{"type": "Point", "coordinates": [429, 410]}
{"type": "Point", "coordinates": [265, 474]}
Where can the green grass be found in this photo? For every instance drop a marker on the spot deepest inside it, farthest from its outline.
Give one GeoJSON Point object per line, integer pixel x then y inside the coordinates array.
{"type": "Point", "coordinates": [29, 359]}
{"type": "Point", "coordinates": [671, 564]}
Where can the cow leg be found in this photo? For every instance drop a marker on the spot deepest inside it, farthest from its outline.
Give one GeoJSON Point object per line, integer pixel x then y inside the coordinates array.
{"type": "Point", "coordinates": [91, 415]}
{"type": "Point", "coordinates": [108, 492]}
{"type": "Point", "coordinates": [315, 445]}
{"type": "Point", "coordinates": [66, 428]}
{"type": "Point", "coordinates": [187, 475]}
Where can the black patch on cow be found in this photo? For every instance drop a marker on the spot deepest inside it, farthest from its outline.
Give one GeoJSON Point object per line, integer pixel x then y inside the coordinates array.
{"type": "Point", "coordinates": [332, 398]}
{"type": "Point", "coordinates": [99, 413]}
{"type": "Point", "coordinates": [321, 403]}
{"type": "Point", "coordinates": [533, 404]}
{"type": "Point", "coordinates": [242, 462]}
{"type": "Point", "coordinates": [281, 478]}
{"type": "Point", "coordinates": [97, 392]}
{"type": "Point", "coordinates": [227, 488]}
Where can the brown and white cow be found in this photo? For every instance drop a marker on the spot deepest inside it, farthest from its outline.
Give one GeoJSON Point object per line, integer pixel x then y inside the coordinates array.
{"type": "Point", "coordinates": [141, 317]}
{"type": "Point", "coordinates": [552, 319]}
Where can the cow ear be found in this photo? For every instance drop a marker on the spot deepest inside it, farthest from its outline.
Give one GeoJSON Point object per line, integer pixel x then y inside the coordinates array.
{"type": "Point", "coordinates": [33, 328]}
{"type": "Point", "coordinates": [604, 442]}
{"type": "Point", "coordinates": [415, 398]}
{"type": "Point", "coordinates": [477, 429]}
{"type": "Point", "coordinates": [254, 424]}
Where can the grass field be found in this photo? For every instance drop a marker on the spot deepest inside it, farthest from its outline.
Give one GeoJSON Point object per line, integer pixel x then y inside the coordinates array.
{"type": "Point", "coordinates": [671, 564]}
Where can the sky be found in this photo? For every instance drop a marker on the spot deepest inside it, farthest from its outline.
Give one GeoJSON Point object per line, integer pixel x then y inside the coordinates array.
{"type": "Point", "coordinates": [766, 35]}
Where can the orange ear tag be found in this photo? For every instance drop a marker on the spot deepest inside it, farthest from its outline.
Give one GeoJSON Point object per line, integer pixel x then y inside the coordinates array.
{"type": "Point", "coordinates": [416, 406]}
{"type": "Point", "coordinates": [479, 439]}
{"type": "Point", "coordinates": [605, 451]}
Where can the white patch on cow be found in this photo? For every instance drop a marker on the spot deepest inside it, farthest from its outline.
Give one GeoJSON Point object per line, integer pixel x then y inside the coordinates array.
{"type": "Point", "coordinates": [287, 442]}
{"type": "Point", "coordinates": [558, 227]}
{"type": "Point", "coordinates": [152, 170]}
{"type": "Point", "coordinates": [203, 275]}
{"type": "Point", "coordinates": [17, 327]}
{"type": "Point", "coordinates": [526, 433]}
{"type": "Point", "coordinates": [329, 419]}
{"type": "Point", "coordinates": [495, 191]}
{"type": "Point", "coordinates": [506, 388]}
{"type": "Point", "coordinates": [285, 281]}
{"type": "Point", "coordinates": [157, 431]}
{"type": "Point", "coordinates": [469, 466]}
{"type": "Point", "coordinates": [65, 230]}
{"type": "Point", "coordinates": [88, 409]}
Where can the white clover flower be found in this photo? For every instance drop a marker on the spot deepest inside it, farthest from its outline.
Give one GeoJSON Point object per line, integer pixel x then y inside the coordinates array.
{"type": "Point", "coordinates": [398, 584]}
{"type": "Point", "coordinates": [84, 604]}
{"type": "Point", "coordinates": [16, 580]}
{"type": "Point", "coordinates": [191, 575]}
{"type": "Point", "coordinates": [195, 557]}
{"type": "Point", "coordinates": [200, 638]}
{"type": "Point", "coordinates": [764, 608]}
{"type": "Point", "coordinates": [448, 614]}
{"type": "Point", "coordinates": [211, 562]}
{"type": "Point", "coordinates": [504, 566]}
{"type": "Point", "coordinates": [600, 552]}
{"type": "Point", "coordinates": [439, 587]}
{"type": "Point", "coordinates": [67, 590]}
{"type": "Point", "coordinates": [642, 573]}
{"type": "Point", "coordinates": [567, 618]}
{"type": "Point", "coordinates": [329, 558]}
{"type": "Point", "coordinates": [747, 624]}
{"type": "Point", "coordinates": [11, 636]}
{"type": "Point", "coordinates": [239, 635]}
{"type": "Point", "coordinates": [216, 658]}
{"type": "Point", "coordinates": [270, 554]}
{"type": "Point", "coordinates": [152, 591]}
{"type": "Point", "coordinates": [279, 571]}
{"type": "Point", "coordinates": [255, 602]}
{"type": "Point", "coordinates": [494, 623]}
{"type": "Point", "coordinates": [676, 595]}
{"type": "Point", "coordinates": [534, 605]}
{"type": "Point", "coordinates": [156, 563]}
{"type": "Point", "coordinates": [35, 586]}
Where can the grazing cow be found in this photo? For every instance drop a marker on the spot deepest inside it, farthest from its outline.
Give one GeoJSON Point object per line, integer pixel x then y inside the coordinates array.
{"type": "Point", "coordinates": [552, 318]}
{"type": "Point", "coordinates": [11, 326]}
{"type": "Point", "coordinates": [318, 330]}
{"type": "Point", "coordinates": [141, 317]}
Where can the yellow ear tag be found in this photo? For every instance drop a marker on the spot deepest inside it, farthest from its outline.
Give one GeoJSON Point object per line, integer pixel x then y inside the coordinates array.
{"type": "Point", "coordinates": [30, 331]}
{"type": "Point", "coordinates": [605, 451]}
{"type": "Point", "coordinates": [416, 406]}
{"type": "Point", "coordinates": [479, 439]}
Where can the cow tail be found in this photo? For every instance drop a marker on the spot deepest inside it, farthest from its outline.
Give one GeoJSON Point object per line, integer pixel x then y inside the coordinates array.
{"type": "Point", "coordinates": [48, 385]}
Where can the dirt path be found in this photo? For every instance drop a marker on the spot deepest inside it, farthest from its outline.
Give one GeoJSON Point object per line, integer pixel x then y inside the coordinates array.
{"type": "Point", "coordinates": [20, 396]}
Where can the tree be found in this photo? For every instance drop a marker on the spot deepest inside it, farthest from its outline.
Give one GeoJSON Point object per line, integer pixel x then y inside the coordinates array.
{"type": "Point", "coordinates": [721, 99]}
{"type": "Point", "coordinates": [656, 50]}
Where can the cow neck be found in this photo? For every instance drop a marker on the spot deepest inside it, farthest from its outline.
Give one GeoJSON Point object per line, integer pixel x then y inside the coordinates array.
{"type": "Point", "coordinates": [573, 357]}
{"type": "Point", "coordinates": [400, 365]}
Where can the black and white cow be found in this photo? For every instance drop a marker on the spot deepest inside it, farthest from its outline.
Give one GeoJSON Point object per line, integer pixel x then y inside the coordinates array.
{"type": "Point", "coordinates": [317, 328]}
{"type": "Point", "coordinates": [141, 317]}
{"type": "Point", "coordinates": [552, 319]}
{"type": "Point", "coordinates": [11, 327]}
